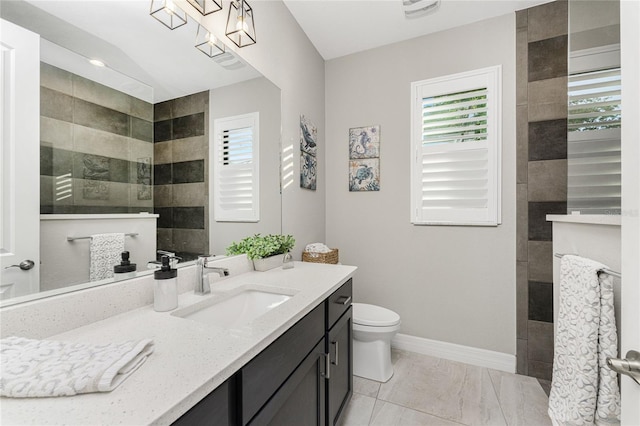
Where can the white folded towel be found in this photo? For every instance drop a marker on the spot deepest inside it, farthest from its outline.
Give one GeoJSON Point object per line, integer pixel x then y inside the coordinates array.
{"type": "Point", "coordinates": [584, 390]}
{"type": "Point", "coordinates": [45, 368]}
{"type": "Point", "coordinates": [106, 250]}
{"type": "Point", "coordinates": [317, 248]}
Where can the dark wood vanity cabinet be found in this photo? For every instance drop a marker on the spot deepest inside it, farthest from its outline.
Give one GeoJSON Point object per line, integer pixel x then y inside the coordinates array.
{"type": "Point", "coordinates": [303, 378]}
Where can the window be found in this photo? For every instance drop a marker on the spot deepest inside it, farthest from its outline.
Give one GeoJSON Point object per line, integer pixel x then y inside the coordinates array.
{"type": "Point", "coordinates": [455, 137]}
{"type": "Point", "coordinates": [594, 168]}
{"type": "Point", "coordinates": [235, 159]}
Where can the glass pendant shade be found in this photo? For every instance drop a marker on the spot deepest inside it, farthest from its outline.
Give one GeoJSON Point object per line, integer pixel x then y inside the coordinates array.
{"type": "Point", "coordinates": [240, 27]}
{"type": "Point", "coordinates": [206, 7]}
{"type": "Point", "coordinates": [168, 13]}
{"type": "Point", "coordinates": [207, 43]}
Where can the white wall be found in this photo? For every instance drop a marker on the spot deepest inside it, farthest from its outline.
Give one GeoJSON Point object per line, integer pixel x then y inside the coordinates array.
{"type": "Point", "coordinates": [249, 96]}
{"type": "Point", "coordinates": [452, 284]}
{"type": "Point", "coordinates": [284, 55]}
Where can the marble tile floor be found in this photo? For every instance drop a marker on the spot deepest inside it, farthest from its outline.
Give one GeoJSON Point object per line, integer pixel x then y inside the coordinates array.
{"type": "Point", "coordinates": [431, 391]}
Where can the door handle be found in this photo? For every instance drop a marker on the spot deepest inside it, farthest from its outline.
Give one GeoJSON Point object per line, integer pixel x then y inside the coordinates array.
{"type": "Point", "coordinates": [25, 265]}
{"type": "Point", "coordinates": [629, 366]}
{"type": "Point", "coordinates": [343, 300]}
{"type": "Point", "coordinates": [327, 366]}
{"type": "Point", "coordinates": [336, 356]}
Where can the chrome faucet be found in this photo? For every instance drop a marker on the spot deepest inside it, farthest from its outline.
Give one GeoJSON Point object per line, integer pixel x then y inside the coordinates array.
{"type": "Point", "coordinates": [202, 283]}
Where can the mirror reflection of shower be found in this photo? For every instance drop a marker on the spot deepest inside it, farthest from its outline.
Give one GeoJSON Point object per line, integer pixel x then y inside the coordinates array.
{"type": "Point", "coordinates": [594, 109]}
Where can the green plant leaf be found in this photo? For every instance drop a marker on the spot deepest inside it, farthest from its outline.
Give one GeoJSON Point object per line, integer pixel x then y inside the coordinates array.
{"type": "Point", "coordinates": [258, 247]}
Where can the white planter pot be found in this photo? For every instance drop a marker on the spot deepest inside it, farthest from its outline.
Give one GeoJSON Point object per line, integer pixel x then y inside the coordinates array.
{"type": "Point", "coordinates": [268, 262]}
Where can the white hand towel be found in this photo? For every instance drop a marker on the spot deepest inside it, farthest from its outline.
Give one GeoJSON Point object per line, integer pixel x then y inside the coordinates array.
{"type": "Point", "coordinates": [106, 250]}
{"type": "Point", "coordinates": [317, 248]}
{"type": "Point", "coordinates": [584, 390]}
{"type": "Point", "coordinates": [45, 368]}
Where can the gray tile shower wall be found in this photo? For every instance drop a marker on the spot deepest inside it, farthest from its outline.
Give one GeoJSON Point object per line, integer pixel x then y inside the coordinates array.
{"type": "Point", "coordinates": [541, 93]}
{"type": "Point", "coordinates": [180, 174]}
{"type": "Point", "coordinates": [95, 147]}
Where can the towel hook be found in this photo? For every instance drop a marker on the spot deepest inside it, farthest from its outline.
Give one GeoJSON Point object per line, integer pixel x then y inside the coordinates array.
{"type": "Point", "coordinates": [629, 366]}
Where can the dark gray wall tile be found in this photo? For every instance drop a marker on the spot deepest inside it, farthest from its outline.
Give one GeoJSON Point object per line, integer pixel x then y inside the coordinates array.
{"type": "Point", "coordinates": [547, 58]}
{"type": "Point", "coordinates": [188, 171]}
{"type": "Point", "coordinates": [548, 20]}
{"type": "Point", "coordinates": [539, 228]}
{"type": "Point", "coordinates": [162, 130]}
{"type": "Point", "coordinates": [188, 217]}
{"type": "Point", "coordinates": [188, 126]}
{"type": "Point", "coordinates": [540, 370]}
{"type": "Point", "coordinates": [98, 117]}
{"type": "Point", "coordinates": [164, 239]}
{"type": "Point", "coordinates": [548, 180]}
{"type": "Point", "coordinates": [162, 174]}
{"type": "Point", "coordinates": [547, 140]}
{"type": "Point", "coordinates": [522, 361]}
{"type": "Point", "coordinates": [141, 129]}
{"type": "Point", "coordinates": [120, 171]}
{"type": "Point", "coordinates": [166, 216]}
{"type": "Point", "coordinates": [191, 240]}
{"type": "Point", "coordinates": [540, 302]}
{"type": "Point", "coordinates": [56, 105]}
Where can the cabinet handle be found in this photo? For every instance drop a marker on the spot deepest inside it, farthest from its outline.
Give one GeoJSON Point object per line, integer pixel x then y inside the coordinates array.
{"type": "Point", "coordinates": [327, 366]}
{"type": "Point", "coordinates": [336, 357]}
{"type": "Point", "coordinates": [343, 300]}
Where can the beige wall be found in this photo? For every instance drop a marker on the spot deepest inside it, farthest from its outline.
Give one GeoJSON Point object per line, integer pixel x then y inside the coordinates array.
{"type": "Point", "coordinates": [284, 55]}
{"type": "Point", "coordinates": [452, 284]}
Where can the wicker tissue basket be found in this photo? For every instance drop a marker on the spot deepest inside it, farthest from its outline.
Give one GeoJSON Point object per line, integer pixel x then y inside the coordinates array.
{"type": "Point", "coordinates": [331, 257]}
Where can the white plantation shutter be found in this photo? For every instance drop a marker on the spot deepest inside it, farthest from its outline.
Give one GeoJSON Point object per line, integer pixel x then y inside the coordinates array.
{"type": "Point", "coordinates": [456, 149]}
{"type": "Point", "coordinates": [236, 189]}
{"type": "Point", "coordinates": [594, 156]}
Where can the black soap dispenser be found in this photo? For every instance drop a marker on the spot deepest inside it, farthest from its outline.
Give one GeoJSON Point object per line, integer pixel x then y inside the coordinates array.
{"type": "Point", "coordinates": [165, 287]}
{"type": "Point", "coordinates": [125, 269]}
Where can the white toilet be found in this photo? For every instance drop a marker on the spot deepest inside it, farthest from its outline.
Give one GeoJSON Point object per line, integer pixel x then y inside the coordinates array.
{"type": "Point", "coordinates": [373, 329]}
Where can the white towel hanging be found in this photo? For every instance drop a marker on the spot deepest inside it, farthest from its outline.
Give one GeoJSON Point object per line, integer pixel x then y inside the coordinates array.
{"type": "Point", "coordinates": [105, 253]}
{"type": "Point", "coordinates": [584, 391]}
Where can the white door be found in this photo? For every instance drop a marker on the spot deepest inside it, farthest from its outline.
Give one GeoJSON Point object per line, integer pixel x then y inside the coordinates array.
{"type": "Point", "coordinates": [19, 160]}
{"type": "Point", "coordinates": [630, 324]}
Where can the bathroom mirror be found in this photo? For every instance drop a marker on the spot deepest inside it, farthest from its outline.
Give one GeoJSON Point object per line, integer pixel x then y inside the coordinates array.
{"type": "Point", "coordinates": [161, 165]}
{"type": "Point", "coordinates": [593, 125]}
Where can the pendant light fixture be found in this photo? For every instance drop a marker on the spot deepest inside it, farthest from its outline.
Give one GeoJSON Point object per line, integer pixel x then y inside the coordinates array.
{"type": "Point", "coordinates": [240, 27]}
{"type": "Point", "coordinates": [208, 43]}
{"type": "Point", "coordinates": [168, 13]}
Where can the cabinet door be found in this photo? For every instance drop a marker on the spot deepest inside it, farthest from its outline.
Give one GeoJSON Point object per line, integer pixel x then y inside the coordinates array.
{"type": "Point", "coordinates": [340, 383]}
{"type": "Point", "coordinates": [301, 399]}
{"type": "Point", "coordinates": [218, 408]}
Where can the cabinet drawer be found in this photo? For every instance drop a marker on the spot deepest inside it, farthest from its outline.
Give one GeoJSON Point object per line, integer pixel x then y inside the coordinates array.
{"type": "Point", "coordinates": [264, 374]}
{"type": "Point", "coordinates": [338, 303]}
{"type": "Point", "coordinates": [218, 408]}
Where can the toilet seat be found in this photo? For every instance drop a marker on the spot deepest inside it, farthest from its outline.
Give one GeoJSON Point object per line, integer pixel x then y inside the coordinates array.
{"type": "Point", "coordinates": [374, 316]}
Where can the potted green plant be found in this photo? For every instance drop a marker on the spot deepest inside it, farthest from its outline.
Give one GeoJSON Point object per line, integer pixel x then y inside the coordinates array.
{"type": "Point", "coordinates": [266, 251]}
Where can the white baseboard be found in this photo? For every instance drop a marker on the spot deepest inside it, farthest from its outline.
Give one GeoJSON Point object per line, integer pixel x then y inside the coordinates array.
{"type": "Point", "coordinates": [451, 351]}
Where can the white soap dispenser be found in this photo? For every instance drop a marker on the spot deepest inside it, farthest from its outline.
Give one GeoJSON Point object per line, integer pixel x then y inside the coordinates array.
{"type": "Point", "coordinates": [165, 287]}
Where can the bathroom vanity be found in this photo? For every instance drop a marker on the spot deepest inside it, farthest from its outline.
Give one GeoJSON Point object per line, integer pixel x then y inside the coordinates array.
{"type": "Point", "coordinates": [292, 362]}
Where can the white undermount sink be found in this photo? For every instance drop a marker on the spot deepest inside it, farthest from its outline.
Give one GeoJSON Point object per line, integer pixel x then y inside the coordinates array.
{"type": "Point", "coordinates": [235, 308]}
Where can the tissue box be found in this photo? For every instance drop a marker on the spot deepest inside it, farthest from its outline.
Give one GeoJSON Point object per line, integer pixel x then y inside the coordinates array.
{"type": "Point", "coordinates": [331, 257]}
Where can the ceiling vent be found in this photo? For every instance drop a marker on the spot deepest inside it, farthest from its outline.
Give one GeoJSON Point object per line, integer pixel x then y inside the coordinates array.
{"type": "Point", "coordinates": [418, 8]}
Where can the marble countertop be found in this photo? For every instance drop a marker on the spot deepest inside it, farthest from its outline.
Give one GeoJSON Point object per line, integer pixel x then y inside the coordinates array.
{"type": "Point", "coordinates": [190, 358]}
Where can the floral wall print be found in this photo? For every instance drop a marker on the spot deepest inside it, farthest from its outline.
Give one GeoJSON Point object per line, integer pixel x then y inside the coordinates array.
{"type": "Point", "coordinates": [364, 142]}
{"type": "Point", "coordinates": [308, 153]}
{"type": "Point", "coordinates": [364, 175]}
{"type": "Point", "coordinates": [144, 178]}
{"type": "Point", "coordinates": [96, 175]}
{"type": "Point", "coordinates": [364, 158]}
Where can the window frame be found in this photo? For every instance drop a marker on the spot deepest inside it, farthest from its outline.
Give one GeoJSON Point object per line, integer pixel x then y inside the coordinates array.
{"type": "Point", "coordinates": [491, 78]}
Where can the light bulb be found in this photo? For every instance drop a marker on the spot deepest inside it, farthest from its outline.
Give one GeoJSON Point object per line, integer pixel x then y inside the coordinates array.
{"type": "Point", "coordinates": [241, 25]}
{"type": "Point", "coordinates": [211, 39]}
{"type": "Point", "coordinates": [96, 62]}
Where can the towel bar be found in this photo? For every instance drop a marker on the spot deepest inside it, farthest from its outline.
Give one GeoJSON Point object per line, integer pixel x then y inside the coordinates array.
{"type": "Point", "coordinates": [131, 234]}
{"type": "Point", "coordinates": [605, 270]}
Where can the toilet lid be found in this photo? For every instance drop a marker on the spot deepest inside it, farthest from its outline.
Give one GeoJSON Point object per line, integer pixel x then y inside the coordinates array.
{"type": "Point", "coordinates": [375, 316]}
